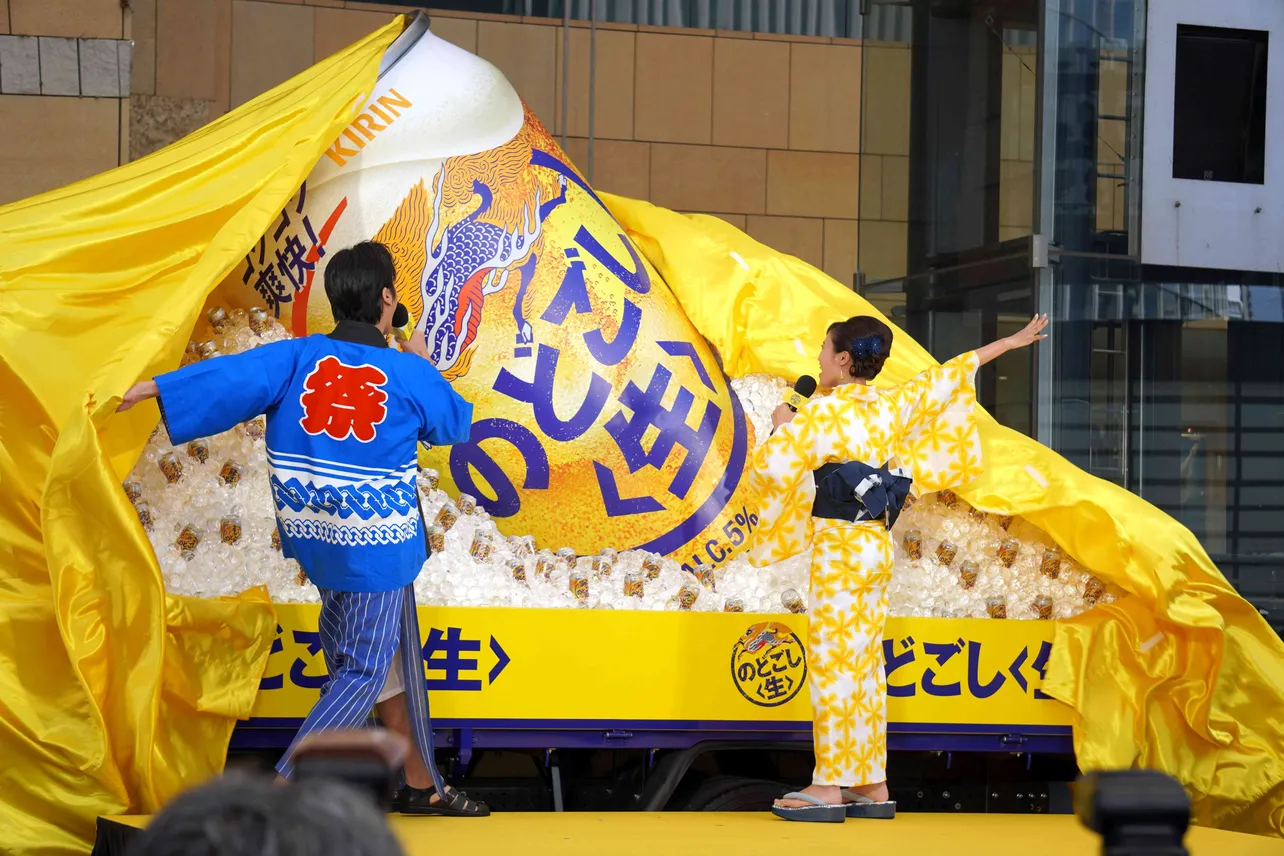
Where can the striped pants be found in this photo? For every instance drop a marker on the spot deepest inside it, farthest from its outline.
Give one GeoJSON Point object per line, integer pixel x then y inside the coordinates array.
{"type": "Point", "coordinates": [361, 633]}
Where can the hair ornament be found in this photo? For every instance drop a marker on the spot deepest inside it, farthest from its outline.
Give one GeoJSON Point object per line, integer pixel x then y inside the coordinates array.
{"type": "Point", "coordinates": [866, 346]}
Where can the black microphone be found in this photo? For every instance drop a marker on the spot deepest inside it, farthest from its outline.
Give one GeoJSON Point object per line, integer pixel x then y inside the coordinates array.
{"type": "Point", "coordinates": [402, 324]}
{"type": "Point", "coordinates": [803, 390]}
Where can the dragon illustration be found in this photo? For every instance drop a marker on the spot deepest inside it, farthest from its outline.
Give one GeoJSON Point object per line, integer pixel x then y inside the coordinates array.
{"type": "Point", "coordinates": [767, 635]}
{"type": "Point", "coordinates": [473, 259]}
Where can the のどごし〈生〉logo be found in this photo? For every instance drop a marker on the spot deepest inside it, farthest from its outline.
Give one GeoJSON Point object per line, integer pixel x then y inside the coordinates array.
{"type": "Point", "coordinates": [769, 664]}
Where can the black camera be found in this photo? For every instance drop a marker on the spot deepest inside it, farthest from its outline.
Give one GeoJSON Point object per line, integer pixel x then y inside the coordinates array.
{"type": "Point", "coordinates": [369, 760]}
{"type": "Point", "coordinates": [1136, 812]}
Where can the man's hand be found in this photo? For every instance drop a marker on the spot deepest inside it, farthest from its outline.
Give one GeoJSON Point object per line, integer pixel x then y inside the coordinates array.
{"type": "Point", "coordinates": [140, 391]}
{"type": "Point", "coordinates": [781, 415]}
{"type": "Point", "coordinates": [417, 344]}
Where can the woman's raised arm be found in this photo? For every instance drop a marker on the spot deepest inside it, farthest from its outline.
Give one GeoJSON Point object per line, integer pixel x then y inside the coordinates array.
{"type": "Point", "coordinates": [1027, 336]}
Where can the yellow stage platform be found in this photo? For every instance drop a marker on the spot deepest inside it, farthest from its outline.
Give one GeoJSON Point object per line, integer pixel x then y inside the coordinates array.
{"type": "Point", "coordinates": [745, 834]}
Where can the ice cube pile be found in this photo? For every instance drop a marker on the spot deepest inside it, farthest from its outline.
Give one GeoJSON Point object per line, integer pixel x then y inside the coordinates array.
{"type": "Point", "coordinates": [208, 511]}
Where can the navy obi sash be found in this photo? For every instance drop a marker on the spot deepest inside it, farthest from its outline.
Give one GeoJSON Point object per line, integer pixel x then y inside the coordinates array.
{"type": "Point", "coordinates": [854, 492]}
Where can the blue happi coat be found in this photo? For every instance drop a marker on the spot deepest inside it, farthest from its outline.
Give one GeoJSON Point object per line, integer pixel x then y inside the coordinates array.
{"type": "Point", "coordinates": [344, 416]}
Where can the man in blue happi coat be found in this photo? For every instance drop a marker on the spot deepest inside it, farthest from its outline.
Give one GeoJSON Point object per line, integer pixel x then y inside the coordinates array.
{"type": "Point", "coordinates": [345, 415]}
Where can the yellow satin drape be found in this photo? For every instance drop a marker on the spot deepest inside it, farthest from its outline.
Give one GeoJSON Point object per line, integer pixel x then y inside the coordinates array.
{"type": "Point", "coordinates": [114, 695]}
{"type": "Point", "coordinates": [1182, 675]}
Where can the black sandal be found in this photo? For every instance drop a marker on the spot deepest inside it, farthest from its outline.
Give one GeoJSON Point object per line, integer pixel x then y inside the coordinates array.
{"type": "Point", "coordinates": [410, 800]}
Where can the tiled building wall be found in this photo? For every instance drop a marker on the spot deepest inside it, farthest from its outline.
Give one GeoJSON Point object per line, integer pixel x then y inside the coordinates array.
{"type": "Point", "coordinates": [764, 131]}
{"type": "Point", "coordinates": [61, 98]}
{"type": "Point", "coordinates": [761, 131]}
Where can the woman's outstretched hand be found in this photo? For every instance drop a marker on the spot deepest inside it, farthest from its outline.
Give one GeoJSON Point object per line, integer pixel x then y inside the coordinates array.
{"type": "Point", "coordinates": [1031, 333]}
{"type": "Point", "coordinates": [781, 415]}
{"type": "Point", "coordinates": [1027, 336]}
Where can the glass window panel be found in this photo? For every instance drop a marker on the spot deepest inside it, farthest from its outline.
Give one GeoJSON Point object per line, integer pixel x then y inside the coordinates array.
{"type": "Point", "coordinates": [1175, 390]}
{"type": "Point", "coordinates": [1091, 169]}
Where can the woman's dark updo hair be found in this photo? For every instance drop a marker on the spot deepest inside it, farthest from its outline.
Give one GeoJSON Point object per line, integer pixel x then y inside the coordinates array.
{"type": "Point", "coordinates": [867, 340]}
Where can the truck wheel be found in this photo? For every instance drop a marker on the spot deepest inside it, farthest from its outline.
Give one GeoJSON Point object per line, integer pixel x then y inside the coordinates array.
{"type": "Point", "coordinates": [734, 793]}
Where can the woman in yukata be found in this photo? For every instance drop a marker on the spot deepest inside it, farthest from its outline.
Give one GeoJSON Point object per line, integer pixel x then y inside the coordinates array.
{"type": "Point", "coordinates": [833, 477]}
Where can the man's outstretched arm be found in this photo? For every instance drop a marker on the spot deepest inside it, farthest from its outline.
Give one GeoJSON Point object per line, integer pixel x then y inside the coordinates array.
{"type": "Point", "coordinates": [139, 392]}
{"type": "Point", "coordinates": [211, 396]}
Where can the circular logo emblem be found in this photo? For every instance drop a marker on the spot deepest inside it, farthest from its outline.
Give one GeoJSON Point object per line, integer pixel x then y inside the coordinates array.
{"type": "Point", "coordinates": [769, 664]}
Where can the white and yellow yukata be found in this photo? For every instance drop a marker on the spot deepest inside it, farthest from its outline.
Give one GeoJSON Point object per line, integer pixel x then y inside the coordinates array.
{"type": "Point", "coordinates": [928, 426]}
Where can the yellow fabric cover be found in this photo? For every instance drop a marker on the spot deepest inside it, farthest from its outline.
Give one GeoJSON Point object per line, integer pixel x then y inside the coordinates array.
{"type": "Point", "coordinates": [114, 695]}
{"type": "Point", "coordinates": [1182, 675]}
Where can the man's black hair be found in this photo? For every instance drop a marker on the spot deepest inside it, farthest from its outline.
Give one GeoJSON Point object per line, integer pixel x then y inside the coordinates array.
{"type": "Point", "coordinates": [252, 816]}
{"type": "Point", "coordinates": [355, 280]}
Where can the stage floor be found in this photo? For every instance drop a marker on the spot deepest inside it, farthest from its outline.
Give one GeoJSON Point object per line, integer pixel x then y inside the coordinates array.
{"type": "Point", "coordinates": [744, 834]}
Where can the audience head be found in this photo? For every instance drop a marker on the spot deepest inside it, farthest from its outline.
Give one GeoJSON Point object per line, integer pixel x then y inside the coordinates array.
{"type": "Point", "coordinates": [252, 816]}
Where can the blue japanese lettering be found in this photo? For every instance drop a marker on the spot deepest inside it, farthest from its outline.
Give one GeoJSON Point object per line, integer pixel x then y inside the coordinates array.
{"type": "Point", "coordinates": [573, 294]}
{"type": "Point", "coordinates": [298, 674]}
{"type": "Point", "coordinates": [943, 653]}
{"type": "Point", "coordinates": [1040, 665]}
{"type": "Point", "coordinates": [975, 687]}
{"type": "Point", "coordinates": [616, 505]}
{"type": "Point", "coordinates": [277, 681]}
{"type": "Point", "coordinates": [638, 280]}
{"type": "Point", "coordinates": [465, 457]}
{"type": "Point", "coordinates": [451, 646]}
{"type": "Point", "coordinates": [266, 281]}
{"type": "Point", "coordinates": [296, 260]}
{"type": "Point", "coordinates": [292, 258]}
{"type": "Point", "coordinates": [892, 662]}
{"type": "Point", "coordinates": [539, 394]}
{"type": "Point", "coordinates": [688, 350]}
{"type": "Point", "coordinates": [648, 412]}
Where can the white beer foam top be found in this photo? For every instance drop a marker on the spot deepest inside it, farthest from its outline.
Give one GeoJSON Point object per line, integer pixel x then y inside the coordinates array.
{"type": "Point", "coordinates": [460, 104]}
